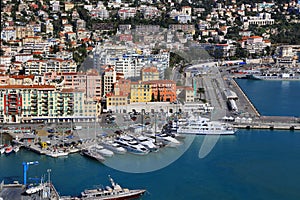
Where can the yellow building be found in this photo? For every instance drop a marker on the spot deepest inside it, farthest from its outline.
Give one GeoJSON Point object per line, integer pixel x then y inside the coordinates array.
{"type": "Point", "coordinates": [116, 103]}
{"type": "Point", "coordinates": [140, 92]}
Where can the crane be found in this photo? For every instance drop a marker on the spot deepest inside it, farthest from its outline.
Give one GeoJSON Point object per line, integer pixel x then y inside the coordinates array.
{"type": "Point", "coordinates": [25, 169]}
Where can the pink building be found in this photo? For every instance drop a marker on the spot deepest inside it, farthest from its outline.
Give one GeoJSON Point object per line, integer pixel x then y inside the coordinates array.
{"type": "Point", "coordinates": [89, 82]}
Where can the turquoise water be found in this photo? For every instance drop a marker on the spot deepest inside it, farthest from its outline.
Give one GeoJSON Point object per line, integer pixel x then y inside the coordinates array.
{"type": "Point", "coordinates": [253, 164]}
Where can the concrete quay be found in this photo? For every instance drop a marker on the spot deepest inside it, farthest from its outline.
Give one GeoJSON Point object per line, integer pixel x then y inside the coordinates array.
{"type": "Point", "coordinates": [216, 81]}
{"type": "Point", "coordinates": [16, 191]}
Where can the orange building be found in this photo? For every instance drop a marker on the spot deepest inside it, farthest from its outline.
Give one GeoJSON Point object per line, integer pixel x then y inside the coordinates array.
{"type": "Point", "coordinates": [162, 90]}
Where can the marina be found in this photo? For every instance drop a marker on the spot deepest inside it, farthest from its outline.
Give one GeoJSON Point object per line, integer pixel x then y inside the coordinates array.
{"type": "Point", "coordinates": [108, 145]}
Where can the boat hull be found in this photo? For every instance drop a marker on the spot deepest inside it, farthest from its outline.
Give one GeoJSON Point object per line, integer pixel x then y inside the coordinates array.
{"type": "Point", "coordinates": [132, 195]}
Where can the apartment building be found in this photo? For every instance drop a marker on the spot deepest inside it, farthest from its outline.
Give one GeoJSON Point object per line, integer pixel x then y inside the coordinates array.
{"type": "Point", "coordinates": [52, 65]}
{"type": "Point", "coordinates": [116, 103]}
{"type": "Point", "coordinates": [140, 92]}
{"type": "Point", "coordinates": [162, 90]}
{"type": "Point", "coordinates": [89, 82]}
{"type": "Point", "coordinates": [109, 78]}
{"type": "Point", "coordinates": [149, 73]}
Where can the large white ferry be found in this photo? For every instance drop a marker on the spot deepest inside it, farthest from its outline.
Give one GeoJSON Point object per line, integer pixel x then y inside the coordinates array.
{"type": "Point", "coordinates": [275, 76]}
{"type": "Point", "coordinates": [203, 126]}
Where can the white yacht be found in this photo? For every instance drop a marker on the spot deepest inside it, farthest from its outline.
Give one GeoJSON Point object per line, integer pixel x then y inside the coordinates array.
{"type": "Point", "coordinates": [104, 152]}
{"type": "Point", "coordinates": [131, 145]}
{"type": "Point", "coordinates": [167, 140]}
{"type": "Point", "coordinates": [113, 146]}
{"type": "Point", "coordinates": [203, 126]}
{"type": "Point", "coordinates": [147, 142]}
{"type": "Point", "coordinates": [57, 153]}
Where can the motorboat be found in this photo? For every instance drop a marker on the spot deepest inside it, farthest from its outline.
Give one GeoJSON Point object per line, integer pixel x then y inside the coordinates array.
{"type": "Point", "coordinates": [167, 140]}
{"type": "Point", "coordinates": [57, 153]}
{"type": "Point", "coordinates": [93, 154]}
{"type": "Point", "coordinates": [104, 152]}
{"type": "Point", "coordinates": [115, 192]}
{"type": "Point", "coordinates": [203, 126]}
{"type": "Point", "coordinates": [147, 142]}
{"type": "Point", "coordinates": [132, 145]}
{"type": "Point", "coordinates": [35, 189]}
{"type": "Point", "coordinates": [2, 149]}
{"type": "Point", "coordinates": [16, 148]}
{"type": "Point", "coordinates": [113, 146]}
{"type": "Point", "coordinates": [8, 149]}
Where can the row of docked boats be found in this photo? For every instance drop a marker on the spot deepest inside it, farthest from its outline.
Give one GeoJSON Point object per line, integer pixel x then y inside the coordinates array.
{"type": "Point", "coordinates": [141, 144]}
{"type": "Point", "coordinates": [7, 149]}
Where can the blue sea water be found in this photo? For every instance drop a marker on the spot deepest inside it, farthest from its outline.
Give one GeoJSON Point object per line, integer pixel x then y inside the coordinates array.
{"type": "Point", "coordinates": [253, 164]}
{"type": "Point", "coordinates": [274, 98]}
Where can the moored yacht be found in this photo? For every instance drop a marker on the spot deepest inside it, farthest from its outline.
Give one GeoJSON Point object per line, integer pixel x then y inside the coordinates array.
{"type": "Point", "coordinates": [131, 145]}
{"type": "Point", "coordinates": [92, 154]}
{"type": "Point", "coordinates": [113, 146]}
{"type": "Point", "coordinates": [167, 140]}
{"type": "Point", "coordinates": [203, 126]}
{"type": "Point", "coordinates": [147, 142]}
{"type": "Point", "coordinates": [104, 152]}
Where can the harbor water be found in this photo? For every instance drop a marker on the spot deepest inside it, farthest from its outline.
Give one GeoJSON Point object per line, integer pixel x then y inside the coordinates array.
{"type": "Point", "coordinates": [253, 164]}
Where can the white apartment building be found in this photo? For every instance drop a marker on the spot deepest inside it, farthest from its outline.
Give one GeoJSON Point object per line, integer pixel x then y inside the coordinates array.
{"type": "Point", "coordinates": [8, 33]}
{"type": "Point", "coordinates": [53, 65]}
{"type": "Point", "coordinates": [127, 12]}
{"type": "Point", "coordinates": [129, 61]}
{"type": "Point", "coordinates": [261, 19]}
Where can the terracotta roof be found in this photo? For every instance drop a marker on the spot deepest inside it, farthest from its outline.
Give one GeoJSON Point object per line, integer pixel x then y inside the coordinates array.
{"type": "Point", "coordinates": [27, 86]}
{"type": "Point", "coordinates": [22, 76]}
{"type": "Point", "coordinates": [254, 36]}
{"type": "Point", "coordinates": [159, 82]}
{"type": "Point", "coordinates": [149, 69]}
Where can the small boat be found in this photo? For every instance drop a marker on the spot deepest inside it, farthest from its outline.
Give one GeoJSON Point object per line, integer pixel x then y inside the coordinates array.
{"type": "Point", "coordinates": [8, 149]}
{"type": "Point", "coordinates": [57, 153]}
{"type": "Point", "coordinates": [113, 146]}
{"type": "Point", "coordinates": [2, 149]}
{"type": "Point", "coordinates": [35, 189]}
{"type": "Point", "coordinates": [16, 148]}
{"type": "Point", "coordinates": [115, 192]}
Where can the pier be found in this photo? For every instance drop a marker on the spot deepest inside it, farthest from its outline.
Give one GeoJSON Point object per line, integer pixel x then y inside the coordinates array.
{"type": "Point", "coordinates": [216, 81]}
{"type": "Point", "coordinates": [16, 191]}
